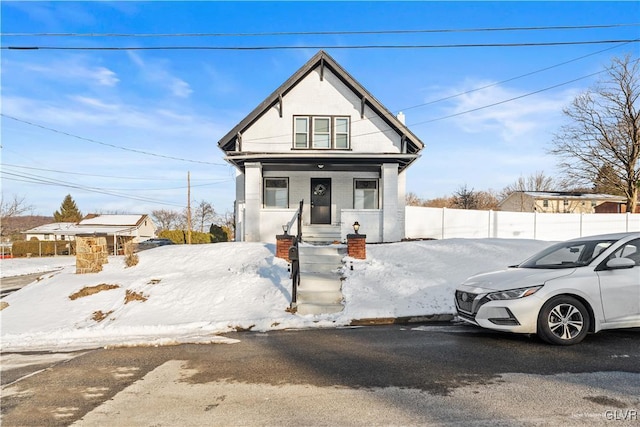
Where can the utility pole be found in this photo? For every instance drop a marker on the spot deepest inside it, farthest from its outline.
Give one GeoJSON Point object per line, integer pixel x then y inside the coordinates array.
{"type": "Point", "coordinates": [188, 208]}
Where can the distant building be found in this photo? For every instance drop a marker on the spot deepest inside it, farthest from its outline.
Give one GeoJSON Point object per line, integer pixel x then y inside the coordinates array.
{"type": "Point", "coordinates": [119, 229]}
{"type": "Point", "coordinates": [562, 202]}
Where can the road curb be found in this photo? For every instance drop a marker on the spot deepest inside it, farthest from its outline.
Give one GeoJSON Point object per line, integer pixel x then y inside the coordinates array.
{"type": "Point", "coordinates": [432, 318]}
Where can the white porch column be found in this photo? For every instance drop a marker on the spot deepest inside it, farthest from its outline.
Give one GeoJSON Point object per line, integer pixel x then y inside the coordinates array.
{"type": "Point", "coordinates": [253, 201]}
{"type": "Point", "coordinates": [402, 203]}
{"type": "Point", "coordinates": [239, 207]}
{"type": "Point", "coordinates": [391, 231]}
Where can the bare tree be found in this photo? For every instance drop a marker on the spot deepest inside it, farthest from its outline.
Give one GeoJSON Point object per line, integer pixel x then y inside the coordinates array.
{"type": "Point", "coordinates": [10, 208]}
{"type": "Point", "coordinates": [14, 206]}
{"type": "Point", "coordinates": [412, 199]}
{"type": "Point", "coordinates": [204, 215]}
{"type": "Point", "coordinates": [166, 219]}
{"type": "Point", "coordinates": [464, 198]}
{"type": "Point", "coordinates": [486, 200]}
{"type": "Point", "coordinates": [605, 131]}
{"type": "Point", "coordinates": [439, 202]}
{"type": "Point", "coordinates": [534, 182]}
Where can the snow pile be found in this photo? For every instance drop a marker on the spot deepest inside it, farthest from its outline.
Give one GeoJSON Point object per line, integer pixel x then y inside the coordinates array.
{"type": "Point", "coordinates": [194, 293]}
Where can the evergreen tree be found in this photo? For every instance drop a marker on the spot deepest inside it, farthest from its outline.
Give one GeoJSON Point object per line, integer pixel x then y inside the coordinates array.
{"type": "Point", "coordinates": [218, 234]}
{"type": "Point", "coordinates": [68, 212]}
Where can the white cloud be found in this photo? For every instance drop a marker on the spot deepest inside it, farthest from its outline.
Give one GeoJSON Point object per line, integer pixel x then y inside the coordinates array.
{"type": "Point", "coordinates": [512, 120]}
{"type": "Point", "coordinates": [105, 76]}
{"type": "Point", "coordinates": [158, 73]}
{"type": "Point", "coordinates": [180, 88]}
{"type": "Point", "coordinates": [70, 69]}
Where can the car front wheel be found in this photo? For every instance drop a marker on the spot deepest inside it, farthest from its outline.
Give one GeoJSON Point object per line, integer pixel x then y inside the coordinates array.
{"type": "Point", "coordinates": [563, 320]}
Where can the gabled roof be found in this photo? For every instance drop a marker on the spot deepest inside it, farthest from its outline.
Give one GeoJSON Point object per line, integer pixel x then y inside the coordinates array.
{"type": "Point", "coordinates": [323, 60]}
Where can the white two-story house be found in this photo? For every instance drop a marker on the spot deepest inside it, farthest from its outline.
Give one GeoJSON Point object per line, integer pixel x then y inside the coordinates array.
{"type": "Point", "coordinates": [323, 139]}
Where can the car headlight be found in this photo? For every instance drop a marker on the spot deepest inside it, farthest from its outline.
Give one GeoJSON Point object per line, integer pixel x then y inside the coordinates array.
{"type": "Point", "coordinates": [513, 293]}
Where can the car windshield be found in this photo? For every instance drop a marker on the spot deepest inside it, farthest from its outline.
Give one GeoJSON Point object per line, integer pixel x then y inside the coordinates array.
{"type": "Point", "coordinates": [568, 254]}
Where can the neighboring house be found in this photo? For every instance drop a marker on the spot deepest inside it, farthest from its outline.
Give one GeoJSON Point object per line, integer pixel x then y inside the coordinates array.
{"type": "Point", "coordinates": [118, 229]}
{"type": "Point", "coordinates": [562, 202]}
{"type": "Point", "coordinates": [322, 138]}
{"type": "Point", "coordinates": [50, 232]}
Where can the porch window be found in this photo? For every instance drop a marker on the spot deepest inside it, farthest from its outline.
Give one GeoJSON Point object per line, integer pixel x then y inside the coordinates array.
{"type": "Point", "coordinates": [276, 192]}
{"type": "Point", "coordinates": [321, 132]}
{"type": "Point", "coordinates": [365, 194]}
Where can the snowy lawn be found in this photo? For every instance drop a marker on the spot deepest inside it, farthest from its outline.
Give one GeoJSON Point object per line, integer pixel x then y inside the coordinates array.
{"type": "Point", "coordinates": [20, 266]}
{"type": "Point", "coordinates": [179, 294]}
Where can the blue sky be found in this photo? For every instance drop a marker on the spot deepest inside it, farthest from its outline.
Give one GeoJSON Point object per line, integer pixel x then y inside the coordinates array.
{"type": "Point", "coordinates": [120, 129]}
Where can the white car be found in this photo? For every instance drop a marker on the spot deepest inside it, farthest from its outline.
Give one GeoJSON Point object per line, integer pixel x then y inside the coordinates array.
{"type": "Point", "coordinates": [562, 293]}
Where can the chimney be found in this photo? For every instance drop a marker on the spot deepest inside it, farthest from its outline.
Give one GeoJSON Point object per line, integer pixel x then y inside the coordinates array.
{"type": "Point", "coordinates": [400, 117]}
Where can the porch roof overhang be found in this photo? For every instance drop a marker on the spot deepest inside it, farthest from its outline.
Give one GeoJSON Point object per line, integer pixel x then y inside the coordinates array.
{"type": "Point", "coordinates": [329, 161]}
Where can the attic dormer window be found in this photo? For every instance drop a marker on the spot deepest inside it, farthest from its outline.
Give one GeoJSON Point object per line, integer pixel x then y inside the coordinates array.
{"type": "Point", "coordinates": [321, 132]}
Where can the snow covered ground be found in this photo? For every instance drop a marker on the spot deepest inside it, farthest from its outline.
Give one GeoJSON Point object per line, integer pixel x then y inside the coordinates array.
{"type": "Point", "coordinates": [21, 266]}
{"type": "Point", "coordinates": [180, 294]}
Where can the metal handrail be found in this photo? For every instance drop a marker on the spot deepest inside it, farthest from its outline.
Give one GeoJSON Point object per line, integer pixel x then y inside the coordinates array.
{"type": "Point", "coordinates": [294, 258]}
{"type": "Point", "coordinates": [300, 220]}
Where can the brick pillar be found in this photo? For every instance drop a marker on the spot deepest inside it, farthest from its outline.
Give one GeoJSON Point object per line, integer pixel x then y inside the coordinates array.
{"type": "Point", "coordinates": [356, 246]}
{"type": "Point", "coordinates": [283, 243]}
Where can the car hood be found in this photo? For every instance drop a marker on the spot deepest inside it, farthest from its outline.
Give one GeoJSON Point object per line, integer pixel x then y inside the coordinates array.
{"type": "Point", "coordinates": [513, 278]}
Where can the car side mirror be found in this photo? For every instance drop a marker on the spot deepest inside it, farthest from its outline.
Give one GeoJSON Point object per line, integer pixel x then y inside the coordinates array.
{"type": "Point", "coordinates": [619, 263]}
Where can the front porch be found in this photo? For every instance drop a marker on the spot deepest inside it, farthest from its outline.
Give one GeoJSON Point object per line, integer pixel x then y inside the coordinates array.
{"type": "Point", "coordinates": [271, 222]}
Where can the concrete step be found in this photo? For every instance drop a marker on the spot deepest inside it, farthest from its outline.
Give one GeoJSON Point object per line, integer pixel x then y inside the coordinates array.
{"type": "Point", "coordinates": [320, 268]}
{"type": "Point", "coordinates": [321, 263]}
{"type": "Point", "coordinates": [320, 289]}
{"type": "Point", "coordinates": [307, 308]}
{"type": "Point", "coordinates": [319, 282]}
{"type": "Point", "coordinates": [319, 297]}
{"type": "Point", "coordinates": [314, 250]}
{"type": "Point", "coordinates": [321, 233]}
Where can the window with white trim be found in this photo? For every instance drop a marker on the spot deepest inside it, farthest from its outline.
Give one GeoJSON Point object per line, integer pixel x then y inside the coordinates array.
{"type": "Point", "coordinates": [301, 132]}
{"type": "Point", "coordinates": [341, 133]}
{"type": "Point", "coordinates": [365, 194]}
{"type": "Point", "coordinates": [321, 132]}
{"type": "Point", "coordinates": [276, 193]}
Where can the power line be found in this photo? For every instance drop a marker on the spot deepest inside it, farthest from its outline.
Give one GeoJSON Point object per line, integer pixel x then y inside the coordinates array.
{"type": "Point", "coordinates": [108, 176]}
{"type": "Point", "coordinates": [508, 100]}
{"type": "Point", "coordinates": [36, 179]}
{"type": "Point", "coordinates": [110, 145]}
{"type": "Point", "coordinates": [297, 47]}
{"type": "Point", "coordinates": [472, 110]}
{"type": "Point", "coordinates": [322, 33]}
{"type": "Point", "coordinates": [510, 79]}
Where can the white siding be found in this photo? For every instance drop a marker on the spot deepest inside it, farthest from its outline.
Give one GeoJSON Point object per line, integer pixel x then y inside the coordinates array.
{"type": "Point", "coordinates": [313, 97]}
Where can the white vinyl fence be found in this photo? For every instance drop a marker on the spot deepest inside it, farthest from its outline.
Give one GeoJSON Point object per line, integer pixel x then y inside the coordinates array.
{"type": "Point", "coordinates": [443, 223]}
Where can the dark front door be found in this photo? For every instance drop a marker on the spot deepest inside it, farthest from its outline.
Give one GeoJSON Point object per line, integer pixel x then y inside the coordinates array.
{"type": "Point", "coordinates": [320, 200]}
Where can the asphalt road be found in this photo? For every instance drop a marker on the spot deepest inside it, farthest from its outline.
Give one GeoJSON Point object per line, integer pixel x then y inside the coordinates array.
{"type": "Point", "coordinates": [401, 375]}
{"type": "Point", "coordinates": [14, 283]}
